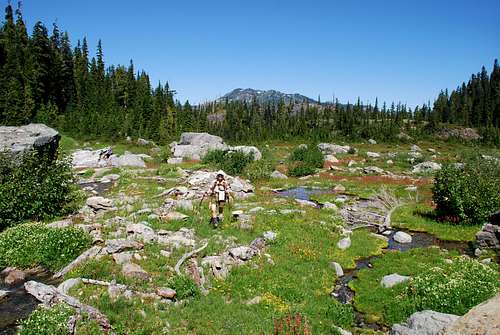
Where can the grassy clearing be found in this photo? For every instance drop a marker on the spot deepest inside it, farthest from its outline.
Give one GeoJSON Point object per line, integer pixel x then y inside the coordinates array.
{"type": "Point", "coordinates": [373, 300]}
{"type": "Point", "coordinates": [363, 244]}
{"type": "Point", "coordinates": [300, 279]}
{"type": "Point", "coordinates": [419, 217]}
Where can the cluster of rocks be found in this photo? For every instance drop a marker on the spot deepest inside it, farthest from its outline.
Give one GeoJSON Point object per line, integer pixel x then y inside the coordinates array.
{"type": "Point", "coordinates": [220, 265]}
{"type": "Point", "coordinates": [333, 149]}
{"type": "Point", "coordinates": [105, 158]}
{"type": "Point", "coordinates": [468, 134]}
{"type": "Point", "coordinates": [194, 146]}
{"type": "Point", "coordinates": [199, 182]}
{"type": "Point", "coordinates": [482, 319]}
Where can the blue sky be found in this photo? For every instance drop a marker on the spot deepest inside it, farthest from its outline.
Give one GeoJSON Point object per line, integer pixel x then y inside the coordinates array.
{"type": "Point", "coordinates": [394, 50]}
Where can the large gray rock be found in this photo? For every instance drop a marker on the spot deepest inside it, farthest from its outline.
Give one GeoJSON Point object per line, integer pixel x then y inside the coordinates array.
{"type": "Point", "coordinates": [91, 158]}
{"type": "Point", "coordinates": [425, 323]}
{"type": "Point", "coordinates": [243, 253]}
{"type": "Point", "coordinates": [402, 237]}
{"type": "Point", "coordinates": [332, 149]}
{"type": "Point", "coordinates": [105, 158]}
{"type": "Point", "coordinates": [127, 159]}
{"type": "Point", "coordinates": [119, 245]}
{"type": "Point", "coordinates": [196, 145]}
{"type": "Point", "coordinates": [257, 155]}
{"type": "Point", "coordinates": [426, 167]}
{"type": "Point", "coordinates": [483, 319]}
{"type": "Point", "coordinates": [372, 154]}
{"type": "Point", "coordinates": [204, 179]}
{"type": "Point", "coordinates": [278, 175]}
{"type": "Point", "coordinates": [68, 284]}
{"type": "Point", "coordinates": [199, 139]}
{"type": "Point", "coordinates": [139, 230]}
{"type": "Point", "coordinates": [393, 279]}
{"type": "Point", "coordinates": [34, 136]}
{"type": "Point", "coordinates": [489, 236]}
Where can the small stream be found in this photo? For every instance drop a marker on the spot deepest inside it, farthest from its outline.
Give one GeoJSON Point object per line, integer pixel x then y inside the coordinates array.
{"type": "Point", "coordinates": [342, 292]}
{"type": "Point", "coordinates": [18, 304]}
{"type": "Point", "coordinates": [345, 295]}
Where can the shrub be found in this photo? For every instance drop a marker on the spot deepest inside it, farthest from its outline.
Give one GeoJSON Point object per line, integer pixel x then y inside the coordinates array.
{"type": "Point", "coordinates": [305, 160]}
{"type": "Point", "coordinates": [468, 191]}
{"type": "Point", "coordinates": [167, 171]}
{"type": "Point", "coordinates": [259, 170]}
{"type": "Point", "coordinates": [36, 188]}
{"type": "Point", "coordinates": [45, 321]}
{"type": "Point", "coordinates": [454, 288]}
{"type": "Point", "coordinates": [310, 155]}
{"type": "Point", "coordinates": [184, 286]}
{"type": "Point", "coordinates": [32, 244]}
{"type": "Point", "coordinates": [300, 169]}
{"type": "Point", "coordinates": [231, 162]}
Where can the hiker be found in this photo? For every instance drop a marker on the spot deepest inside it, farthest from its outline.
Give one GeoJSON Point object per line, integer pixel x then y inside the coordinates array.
{"type": "Point", "coordinates": [220, 195]}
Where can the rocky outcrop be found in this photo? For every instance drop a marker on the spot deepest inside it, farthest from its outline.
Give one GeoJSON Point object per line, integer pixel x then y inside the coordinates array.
{"type": "Point", "coordinates": [50, 296]}
{"type": "Point", "coordinates": [426, 167]}
{"type": "Point", "coordinates": [34, 136]}
{"type": "Point", "coordinates": [195, 146]}
{"type": "Point", "coordinates": [105, 158]}
{"type": "Point", "coordinates": [483, 319]}
{"type": "Point", "coordinates": [425, 323]}
{"type": "Point", "coordinates": [468, 134]}
{"type": "Point", "coordinates": [332, 149]}
{"type": "Point", "coordinates": [220, 265]}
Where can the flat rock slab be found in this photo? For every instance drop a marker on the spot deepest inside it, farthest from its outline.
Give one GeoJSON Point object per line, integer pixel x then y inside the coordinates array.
{"type": "Point", "coordinates": [425, 323]}
{"type": "Point", "coordinates": [119, 245]}
{"type": "Point", "coordinates": [393, 279]}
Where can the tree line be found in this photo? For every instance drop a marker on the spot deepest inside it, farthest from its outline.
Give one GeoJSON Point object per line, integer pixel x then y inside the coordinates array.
{"type": "Point", "coordinates": [43, 78]}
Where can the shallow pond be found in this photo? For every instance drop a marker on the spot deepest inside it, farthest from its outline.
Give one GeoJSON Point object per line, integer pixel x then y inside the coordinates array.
{"type": "Point", "coordinates": [302, 193]}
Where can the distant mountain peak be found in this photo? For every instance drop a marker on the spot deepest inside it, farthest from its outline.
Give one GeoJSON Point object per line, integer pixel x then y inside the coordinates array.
{"type": "Point", "coordinates": [264, 96]}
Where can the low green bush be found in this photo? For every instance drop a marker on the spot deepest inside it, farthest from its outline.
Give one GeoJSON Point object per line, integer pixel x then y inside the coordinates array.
{"type": "Point", "coordinates": [35, 188]}
{"type": "Point", "coordinates": [469, 191]}
{"type": "Point", "coordinates": [231, 162]}
{"type": "Point", "coordinates": [167, 171]}
{"type": "Point", "coordinates": [454, 288]}
{"type": "Point", "coordinates": [31, 244]}
{"type": "Point", "coordinates": [259, 170]}
{"type": "Point", "coordinates": [47, 321]}
{"type": "Point", "coordinates": [304, 160]}
{"type": "Point", "coordinates": [300, 169]}
{"type": "Point", "coordinates": [184, 286]}
{"type": "Point", "coordinates": [310, 155]}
